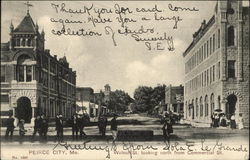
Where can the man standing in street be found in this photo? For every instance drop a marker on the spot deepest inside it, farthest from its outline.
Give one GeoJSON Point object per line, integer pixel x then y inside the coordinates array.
{"type": "Point", "coordinates": [75, 126]}
{"type": "Point", "coordinates": [37, 126]}
{"type": "Point", "coordinates": [10, 127]}
{"type": "Point", "coordinates": [113, 128]}
{"type": "Point", "coordinates": [103, 124]}
{"type": "Point", "coordinates": [59, 126]}
{"type": "Point", "coordinates": [44, 127]}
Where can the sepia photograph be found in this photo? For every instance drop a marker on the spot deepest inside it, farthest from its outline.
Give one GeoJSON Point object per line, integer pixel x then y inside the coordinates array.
{"type": "Point", "coordinates": [121, 80]}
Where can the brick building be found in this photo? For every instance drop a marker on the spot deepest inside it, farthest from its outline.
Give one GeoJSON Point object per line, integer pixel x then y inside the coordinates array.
{"type": "Point", "coordinates": [217, 65]}
{"type": "Point", "coordinates": [174, 98]}
{"type": "Point", "coordinates": [32, 80]}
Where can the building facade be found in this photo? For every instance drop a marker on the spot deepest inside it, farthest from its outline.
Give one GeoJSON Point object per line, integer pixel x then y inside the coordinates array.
{"type": "Point", "coordinates": [217, 65]}
{"type": "Point", "coordinates": [32, 80]}
{"type": "Point", "coordinates": [174, 99]}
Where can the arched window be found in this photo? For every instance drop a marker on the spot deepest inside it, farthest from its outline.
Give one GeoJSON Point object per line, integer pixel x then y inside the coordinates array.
{"type": "Point", "coordinates": [24, 69]}
{"type": "Point", "coordinates": [201, 107]}
{"type": "Point", "coordinates": [23, 42]}
{"type": "Point", "coordinates": [29, 43]}
{"type": "Point", "coordinates": [197, 107]}
{"type": "Point", "coordinates": [212, 103]}
{"type": "Point", "coordinates": [206, 106]}
{"type": "Point", "coordinates": [17, 42]}
{"type": "Point", "coordinates": [219, 105]}
{"type": "Point", "coordinates": [189, 108]}
{"type": "Point", "coordinates": [230, 36]}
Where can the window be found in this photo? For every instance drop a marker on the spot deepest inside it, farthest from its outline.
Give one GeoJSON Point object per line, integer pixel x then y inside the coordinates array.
{"type": "Point", "coordinates": [202, 53]}
{"type": "Point", "coordinates": [210, 46]}
{"type": "Point", "coordinates": [17, 42]}
{"type": "Point", "coordinates": [212, 103]}
{"type": "Point", "coordinates": [20, 73]}
{"type": "Point", "coordinates": [231, 69]}
{"type": "Point", "coordinates": [197, 107]}
{"type": "Point", "coordinates": [29, 42]}
{"type": "Point", "coordinates": [207, 48]}
{"type": "Point", "coordinates": [202, 79]}
{"type": "Point", "coordinates": [205, 51]}
{"type": "Point", "coordinates": [218, 38]}
{"type": "Point", "coordinates": [3, 74]}
{"type": "Point", "coordinates": [201, 107]}
{"type": "Point", "coordinates": [218, 70]}
{"type": "Point", "coordinates": [207, 77]}
{"type": "Point", "coordinates": [4, 98]}
{"type": "Point", "coordinates": [23, 42]}
{"type": "Point", "coordinates": [213, 42]}
{"type": "Point", "coordinates": [219, 104]}
{"type": "Point", "coordinates": [230, 36]}
{"type": "Point", "coordinates": [206, 106]}
{"type": "Point", "coordinates": [213, 73]}
{"type": "Point", "coordinates": [28, 73]}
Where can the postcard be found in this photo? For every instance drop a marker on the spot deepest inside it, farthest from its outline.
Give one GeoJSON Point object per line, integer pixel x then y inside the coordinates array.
{"type": "Point", "coordinates": [118, 80]}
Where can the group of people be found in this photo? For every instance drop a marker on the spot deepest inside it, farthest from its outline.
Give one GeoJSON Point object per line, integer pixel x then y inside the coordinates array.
{"type": "Point", "coordinates": [77, 122]}
{"type": "Point", "coordinates": [220, 120]}
{"type": "Point", "coordinates": [102, 124]}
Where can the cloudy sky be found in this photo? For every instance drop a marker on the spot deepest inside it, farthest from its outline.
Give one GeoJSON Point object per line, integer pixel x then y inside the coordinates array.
{"type": "Point", "coordinates": [96, 60]}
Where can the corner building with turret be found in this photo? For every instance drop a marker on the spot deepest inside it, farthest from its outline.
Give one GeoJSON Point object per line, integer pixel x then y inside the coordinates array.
{"type": "Point", "coordinates": [33, 81]}
{"type": "Point", "coordinates": [217, 66]}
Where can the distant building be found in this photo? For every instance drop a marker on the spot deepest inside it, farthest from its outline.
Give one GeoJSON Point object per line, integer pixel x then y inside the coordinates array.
{"type": "Point", "coordinates": [89, 102]}
{"type": "Point", "coordinates": [174, 98]}
{"type": "Point", "coordinates": [84, 94]}
{"type": "Point", "coordinates": [107, 92]}
{"type": "Point", "coordinates": [32, 80]}
{"type": "Point", "coordinates": [217, 65]}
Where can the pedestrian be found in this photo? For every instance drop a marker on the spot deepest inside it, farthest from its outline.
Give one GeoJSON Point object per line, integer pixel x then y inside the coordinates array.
{"type": "Point", "coordinates": [44, 127]}
{"type": "Point", "coordinates": [21, 128]}
{"type": "Point", "coordinates": [103, 125]}
{"type": "Point", "coordinates": [59, 126]}
{"type": "Point", "coordinates": [10, 127]}
{"type": "Point", "coordinates": [167, 127]}
{"type": "Point", "coordinates": [212, 118]}
{"type": "Point", "coordinates": [83, 120]}
{"type": "Point", "coordinates": [240, 121]}
{"type": "Point", "coordinates": [113, 125]}
{"type": "Point", "coordinates": [216, 120]}
{"type": "Point", "coordinates": [37, 125]}
{"type": "Point", "coordinates": [232, 121]}
{"type": "Point", "coordinates": [75, 126]}
{"type": "Point", "coordinates": [223, 121]}
{"type": "Point", "coordinates": [99, 124]}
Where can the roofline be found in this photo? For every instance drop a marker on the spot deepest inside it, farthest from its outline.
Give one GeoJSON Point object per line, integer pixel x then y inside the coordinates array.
{"type": "Point", "coordinates": [200, 31]}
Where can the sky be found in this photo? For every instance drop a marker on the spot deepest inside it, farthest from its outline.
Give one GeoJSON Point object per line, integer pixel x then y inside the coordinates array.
{"type": "Point", "coordinates": [96, 60]}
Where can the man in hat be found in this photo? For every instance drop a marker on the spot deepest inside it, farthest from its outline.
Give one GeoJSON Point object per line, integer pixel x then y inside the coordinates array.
{"type": "Point", "coordinates": [167, 127]}
{"type": "Point", "coordinates": [21, 128]}
{"type": "Point", "coordinates": [44, 126]}
{"type": "Point", "coordinates": [103, 125]}
{"type": "Point", "coordinates": [10, 126]}
{"type": "Point", "coordinates": [75, 126]}
{"type": "Point", "coordinates": [113, 125]}
{"type": "Point", "coordinates": [59, 126]}
{"type": "Point", "coordinates": [37, 125]}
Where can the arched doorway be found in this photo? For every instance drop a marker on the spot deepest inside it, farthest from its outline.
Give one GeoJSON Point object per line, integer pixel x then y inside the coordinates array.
{"type": "Point", "coordinates": [24, 110]}
{"type": "Point", "coordinates": [231, 103]}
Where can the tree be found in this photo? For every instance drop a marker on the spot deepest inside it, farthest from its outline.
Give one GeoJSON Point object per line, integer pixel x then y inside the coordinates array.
{"type": "Point", "coordinates": [119, 101]}
{"type": "Point", "coordinates": [142, 98]}
{"type": "Point", "coordinates": [146, 98]}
